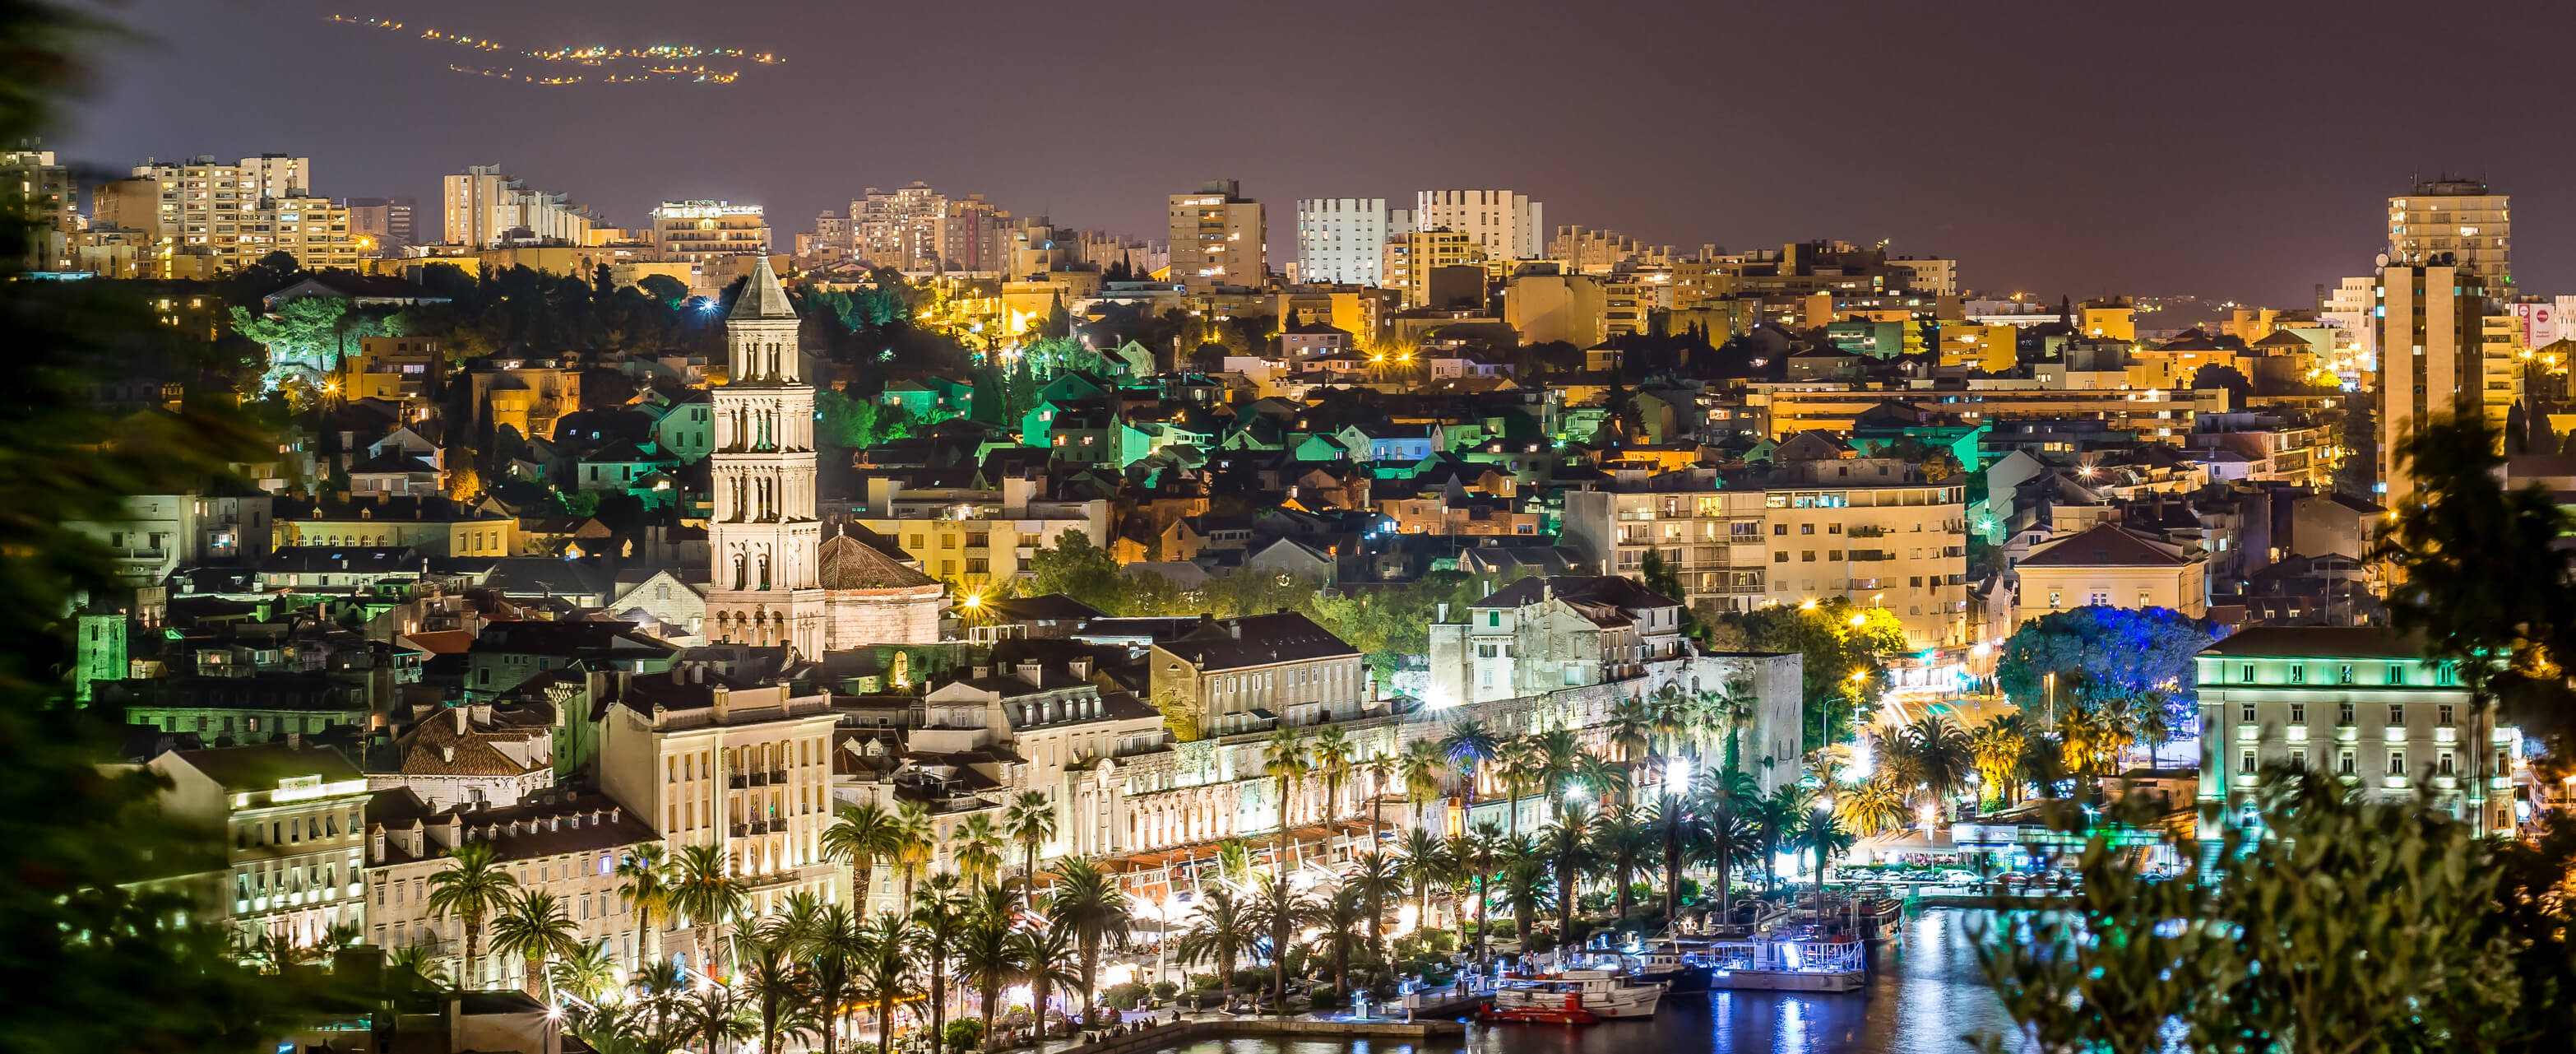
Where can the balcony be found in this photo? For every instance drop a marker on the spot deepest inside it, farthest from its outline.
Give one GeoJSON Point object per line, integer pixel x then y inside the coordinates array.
{"type": "Point", "coordinates": [737, 781]}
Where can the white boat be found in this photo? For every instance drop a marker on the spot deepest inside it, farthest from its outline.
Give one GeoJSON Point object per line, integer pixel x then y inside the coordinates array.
{"type": "Point", "coordinates": [1574, 997]}
{"type": "Point", "coordinates": [1788, 964]}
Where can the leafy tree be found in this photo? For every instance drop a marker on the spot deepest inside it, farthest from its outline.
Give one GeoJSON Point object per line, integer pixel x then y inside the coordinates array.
{"type": "Point", "coordinates": [2482, 578]}
{"type": "Point", "coordinates": [2105, 655]}
{"type": "Point", "coordinates": [1845, 650]}
{"type": "Point", "coordinates": [2333, 925]}
{"type": "Point", "coordinates": [103, 959]}
{"type": "Point", "coordinates": [1078, 569]}
{"type": "Point", "coordinates": [2215, 376]}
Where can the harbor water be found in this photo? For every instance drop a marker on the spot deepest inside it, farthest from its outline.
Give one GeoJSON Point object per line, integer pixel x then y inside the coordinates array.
{"type": "Point", "coordinates": [1922, 998]}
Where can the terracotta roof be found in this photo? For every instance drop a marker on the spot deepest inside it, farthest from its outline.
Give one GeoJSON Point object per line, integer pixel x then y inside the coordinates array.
{"type": "Point", "coordinates": [1601, 590]}
{"type": "Point", "coordinates": [434, 747]}
{"type": "Point", "coordinates": [2103, 546]}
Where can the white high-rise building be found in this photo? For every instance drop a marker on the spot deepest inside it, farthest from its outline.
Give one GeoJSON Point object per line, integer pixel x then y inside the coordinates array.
{"type": "Point", "coordinates": [485, 207]}
{"type": "Point", "coordinates": [1510, 226]}
{"type": "Point", "coordinates": [1341, 241]}
{"type": "Point", "coordinates": [765, 540]}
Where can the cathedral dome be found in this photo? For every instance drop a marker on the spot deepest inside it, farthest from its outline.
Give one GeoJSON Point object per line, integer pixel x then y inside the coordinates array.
{"type": "Point", "coordinates": [848, 563]}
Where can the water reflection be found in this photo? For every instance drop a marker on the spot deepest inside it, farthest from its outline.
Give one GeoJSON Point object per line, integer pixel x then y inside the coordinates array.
{"type": "Point", "coordinates": [1923, 998]}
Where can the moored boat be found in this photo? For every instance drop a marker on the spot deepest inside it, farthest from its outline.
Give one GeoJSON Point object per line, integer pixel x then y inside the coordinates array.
{"type": "Point", "coordinates": [1574, 997]}
{"type": "Point", "coordinates": [1836, 963]}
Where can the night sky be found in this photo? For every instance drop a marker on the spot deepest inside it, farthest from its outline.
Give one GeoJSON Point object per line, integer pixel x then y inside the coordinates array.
{"type": "Point", "coordinates": [2236, 150]}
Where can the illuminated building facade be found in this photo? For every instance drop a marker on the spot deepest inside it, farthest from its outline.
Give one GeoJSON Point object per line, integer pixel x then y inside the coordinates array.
{"type": "Point", "coordinates": [1217, 236]}
{"type": "Point", "coordinates": [702, 232]}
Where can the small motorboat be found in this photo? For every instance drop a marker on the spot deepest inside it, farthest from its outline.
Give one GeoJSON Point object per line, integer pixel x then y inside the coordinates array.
{"type": "Point", "coordinates": [1574, 997]}
{"type": "Point", "coordinates": [1665, 963]}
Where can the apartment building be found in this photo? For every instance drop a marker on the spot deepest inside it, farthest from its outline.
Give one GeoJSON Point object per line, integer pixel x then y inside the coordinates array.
{"type": "Point", "coordinates": [1342, 241]}
{"type": "Point", "coordinates": [711, 760]}
{"type": "Point", "coordinates": [1857, 528]}
{"type": "Point", "coordinates": [1507, 226]}
{"type": "Point", "coordinates": [703, 232]}
{"type": "Point", "coordinates": [1216, 237]}
{"type": "Point", "coordinates": [2359, 704]}
{"type": "Point", "coordinates": [974, 535]}
{"type": "Point", "coordinates": [2458, 218]}
{"type": "Point", "coordinates": [565, 845]}
{"type": "Point", "coordinates": [2431, 330]}
{"type": "Point", "coordinates": [486, 208]}
{"type": "Point", "coordinates": [291, 821]}
{"type": "Point", "coordinates": [224, 217]}
{"type": "Point", "coordinates": [1244, 674]}
{"type": "Point", "coordinates": [1409, 260]}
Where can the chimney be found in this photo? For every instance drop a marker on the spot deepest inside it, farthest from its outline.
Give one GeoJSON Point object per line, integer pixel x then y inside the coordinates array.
{"type": "Point", "coordinates": [447, 752]}
{"type": "Point", "coordinates": [1234, 628]}
{"type": "Point", "coordinates": [982, 672]}
{"type": "Point", "coordinates": [1030, 672]}
{"type": "Point", "coordinates": [1081, 667]}
{"type": "Point", "coordinates": [679, 675]}
{"type": "Point", "coordinates": [462, 720]}
{"type": "Point", "coordinates": [723, 701]}
{"type": "Point", "coordinates": [1443, 616]}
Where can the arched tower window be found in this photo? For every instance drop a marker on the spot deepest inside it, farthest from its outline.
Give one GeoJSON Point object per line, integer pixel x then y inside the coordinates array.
{"type": "Point", "coordinates": [740, 570]}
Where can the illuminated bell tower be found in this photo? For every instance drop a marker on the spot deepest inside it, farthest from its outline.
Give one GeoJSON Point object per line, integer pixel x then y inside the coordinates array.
{"type": "Point", "coordinates": [762, 534]}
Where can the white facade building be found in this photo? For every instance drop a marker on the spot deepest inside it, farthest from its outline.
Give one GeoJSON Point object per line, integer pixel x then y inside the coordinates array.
{"type": "Point", "coordinates": [1509, 226]}
{"type": "Point", "coordinates": [1341, 241]}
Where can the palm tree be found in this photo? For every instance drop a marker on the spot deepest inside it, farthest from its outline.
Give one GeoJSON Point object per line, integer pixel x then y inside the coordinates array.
{"type": "Point", "coordinates": [1087, 901]}
{"type": "Point", "coordinates": [1872, 806]}
{"type": "Point", "coordinates": [1477, 853]}
{"type": "Point", "coordinates": [1283, 758]}
{"type": "Point", "coordinates": [1217, 926]}
{"type": "Point", "coordinates": [1728, 836]}
{"type": "Point", "coordinates": [705, 889]}
{"type": "Point", "coordinates": [772, 977]}
{"type": "Point", "coordinates": [1776, 819]}
{"type": "Point", "coordinates": [1997, 746]}
{"type": "Point", "coordinates": [914, 844]}
{"type": "Point", "coordinates": [1337, 916]}
{"type": "Point", "coordinates": [1630, 732]}
{"type": "Point", "coordinates": [534, 927]}
{"type": "Point", "coordinates": [858, 836]}
{"type": "Point", "coordinates": [1280, 910]}
{"type": "Point", "coordinates": [1524, 882]}
{"type": "Point", "coordinates": [1426, 863]}
{"type": "Point", "coordinates": [1941, 757]}
{"type": "Point", "coordinates": [1726, 708]}
{"type": "Point", "coordinates": [415, 969]}
{"type": "Point", "coordinates": [938, 916]}
{"type": "Point", "coordinates": [1030, 821]}
{"type": "Point", "coordinates": [1568, 847]}
{"type": "Point", "coordinates": [988, 952]}
{"type": "Point", "coordinates": [833, 945]}
{"type": "Point", "coordinates": [644, 883]}
{"type": "Point", "coordinates": [1619, 841]}
{"type": "Point", "coordinates": [1373, 773]}
{"type": "Point", "coordinates": [715, 1015]}
{"type": "Point", "coordinates": [979, 850]}
{"type": "Point", "coordinates": [1470, 746]}
{"type": "Point", "coordinates": [1421, 768]}
{"type": "Point", "coordinates": [1378, 878]}
{"type": "Point", "coordinates": [1524, 768]}
{"type": "Point", "coordinates": [471, 890]}
{"type": "Point", "coordinates": [885, 971]}
{"type": "Point", "coordinates": [1674, 828]}
{"type": "Point", "coordinates": [1046, 955]}
{"type": "Point", "coordinates": [1331, 754]}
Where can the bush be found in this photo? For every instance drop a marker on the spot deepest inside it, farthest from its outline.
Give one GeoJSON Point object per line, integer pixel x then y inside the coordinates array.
{"type": "Point", "coordinates": [1324, 997]}
{"type": "Point", "coordinates": [1122, 996]}
{"type": "Point", "coordinates": [964, 1034]}
{"type": "Point", "coordinates": [1251, 979]}
{"type": "Point", "coordinates": [1166, 989]}
{"type": "Point", "coordinates": [1206, 982]}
